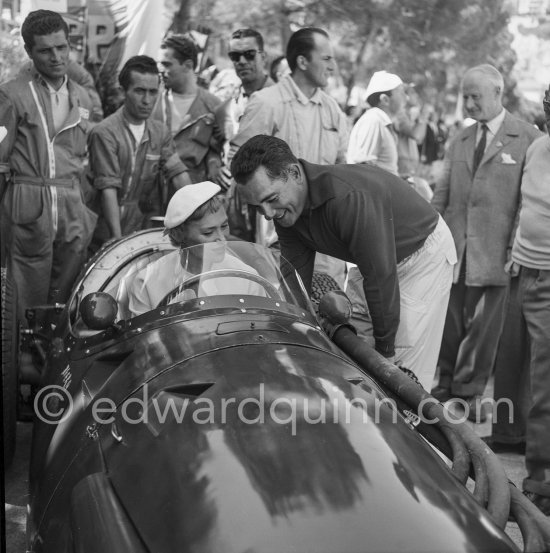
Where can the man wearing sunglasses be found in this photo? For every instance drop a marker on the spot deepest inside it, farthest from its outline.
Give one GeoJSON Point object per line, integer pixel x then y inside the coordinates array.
{"type": "Point", "coordinates": [246, 51]}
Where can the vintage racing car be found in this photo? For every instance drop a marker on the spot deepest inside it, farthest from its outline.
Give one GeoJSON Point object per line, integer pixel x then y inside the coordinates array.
{"type": "Point", "coordinates": [202, 408]}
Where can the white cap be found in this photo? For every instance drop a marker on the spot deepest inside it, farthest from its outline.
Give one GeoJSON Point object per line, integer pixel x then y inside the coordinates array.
{"type": "Point", "coordinates": [382, 81]}
{"type": "Point", "coordinates": [187, 200]}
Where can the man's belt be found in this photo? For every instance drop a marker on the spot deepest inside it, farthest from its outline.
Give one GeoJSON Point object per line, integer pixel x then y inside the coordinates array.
{"type": "Point", "coordinates": [42, 181]}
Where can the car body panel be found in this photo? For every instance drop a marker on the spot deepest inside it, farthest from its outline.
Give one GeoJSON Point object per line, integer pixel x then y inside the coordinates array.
{"type": "Point", "coordinates": [233, 425]}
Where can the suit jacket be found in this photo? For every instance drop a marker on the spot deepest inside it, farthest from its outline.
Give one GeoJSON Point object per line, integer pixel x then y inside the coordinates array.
{"type": "Point", "coordinates": [481, 211]}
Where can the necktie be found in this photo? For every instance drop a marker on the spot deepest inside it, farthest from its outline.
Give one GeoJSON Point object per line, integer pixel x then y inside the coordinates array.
{"type": "Point", "coordinates": [480, 148]}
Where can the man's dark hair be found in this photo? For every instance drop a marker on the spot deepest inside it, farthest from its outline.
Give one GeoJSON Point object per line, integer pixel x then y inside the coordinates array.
{"type": "Point", "coordinates": [40, 23]}
{"type": "Point", "coordinates": [245, 33]}
{"type": "Point", "coordinates": [374, 99]}
{"type": "Point", "coordinates": [270, 152]}
{"type": "Point", "coordinates": [141, 64]}
{"type": "Point", "coordinates": [301, 43]}
{"type": "Point", "coordinates": [184, 48]}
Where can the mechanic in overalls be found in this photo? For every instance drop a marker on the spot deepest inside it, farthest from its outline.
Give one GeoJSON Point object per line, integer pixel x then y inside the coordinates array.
{"type": "Point", "coordinates": [44, 121]}
{"type": "Point", "coordinates": [130, 152]}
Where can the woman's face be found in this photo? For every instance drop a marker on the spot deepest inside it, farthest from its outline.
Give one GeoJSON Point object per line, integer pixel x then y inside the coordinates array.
{"type": "Point", "coordinates": [212, 228]}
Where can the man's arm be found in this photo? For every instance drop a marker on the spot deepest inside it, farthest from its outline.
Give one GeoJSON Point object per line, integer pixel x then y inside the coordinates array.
{"type": "Point", "coordinates": [8, 132]}
{"type": "Point", "coordinates": [413, 129]}
{"type": "Point", "coordinates": [173, 167]}
{"type": "Point", "coordinates": [440, 199]}
{"type": "Point", "coordinates": [111, 211]}
{"type": "Point", "coordinates": [105, 170]}
{"type": "Point", "coordinates": [365, 224]}
{"type": "Point", "coordinates": [217, 140]}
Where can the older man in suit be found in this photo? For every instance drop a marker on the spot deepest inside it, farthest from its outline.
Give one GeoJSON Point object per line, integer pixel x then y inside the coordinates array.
{"type": "Point", "coordinates": [478, 196]}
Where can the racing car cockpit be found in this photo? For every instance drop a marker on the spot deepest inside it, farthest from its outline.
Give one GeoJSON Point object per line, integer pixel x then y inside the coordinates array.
{"type": "Point", "coordinates": [144, 273]}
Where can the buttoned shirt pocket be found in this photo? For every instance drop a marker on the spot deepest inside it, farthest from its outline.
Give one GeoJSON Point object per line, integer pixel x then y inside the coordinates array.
{"type": "Point", "coordinates": [330, 139]}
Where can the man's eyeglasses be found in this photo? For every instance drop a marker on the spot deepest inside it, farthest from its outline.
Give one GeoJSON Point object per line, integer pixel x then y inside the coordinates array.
{"type": "Point", "coordinates": [249, 55]}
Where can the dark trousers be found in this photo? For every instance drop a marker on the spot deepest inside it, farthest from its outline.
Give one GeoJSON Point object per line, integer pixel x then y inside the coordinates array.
{"type": "Point", "coordinates": [534, 298]}
{"type": "Point", "coordinates": [511, 374]}
{"type": "Point", "coordinates": [470, 338]}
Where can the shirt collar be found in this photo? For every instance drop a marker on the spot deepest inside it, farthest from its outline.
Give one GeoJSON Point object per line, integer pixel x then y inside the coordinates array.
{"type": "Point", "coordinates": [37, 76]}
{"type": "Point", "coordinates": [126, 123]}
{"type": "Point", "coordinates": [289, 83]}
{"type": "Point", "coordinates": [323, 190]}
{"type": "Point", "coordinates": [63, 89]}
{"type": "Point", "coordinates": [242, 94]}
{"type": "Point", "coordinates": [494, 124]}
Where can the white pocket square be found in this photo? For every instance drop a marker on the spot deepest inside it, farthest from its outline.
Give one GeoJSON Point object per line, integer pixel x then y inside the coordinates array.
{"type": "Point", "coordinates": [507, 159]}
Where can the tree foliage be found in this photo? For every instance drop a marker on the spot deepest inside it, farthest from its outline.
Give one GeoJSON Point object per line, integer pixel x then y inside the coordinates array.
{"type": "Point", "coordinates": [429, 42]}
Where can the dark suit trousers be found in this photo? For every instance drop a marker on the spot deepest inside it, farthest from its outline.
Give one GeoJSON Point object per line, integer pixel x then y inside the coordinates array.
{"type": "Point", "coordinates": [470, 338]}
{"type": "Point", "coordinates": [511, 374]}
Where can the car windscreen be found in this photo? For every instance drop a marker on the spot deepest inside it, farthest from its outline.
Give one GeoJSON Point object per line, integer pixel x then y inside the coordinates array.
{"type": "Point", "coordinates": [214, 269]}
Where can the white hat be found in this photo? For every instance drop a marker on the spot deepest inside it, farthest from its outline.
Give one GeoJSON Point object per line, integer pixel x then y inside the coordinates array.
{"type": "Point", "coordinates": [186, 200]}
{"type": "Point", "coordinates": [382, 81]}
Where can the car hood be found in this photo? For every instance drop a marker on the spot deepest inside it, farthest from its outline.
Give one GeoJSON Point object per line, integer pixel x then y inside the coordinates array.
{"type": "Point", "coordinates": [282, 447]}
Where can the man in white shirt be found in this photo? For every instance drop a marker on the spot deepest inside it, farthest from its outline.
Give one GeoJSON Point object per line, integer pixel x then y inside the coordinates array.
{"type": "Point", "coordinates": [373, 138]}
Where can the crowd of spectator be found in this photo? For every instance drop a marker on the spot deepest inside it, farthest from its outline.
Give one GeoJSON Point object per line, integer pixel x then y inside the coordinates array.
{"type": "Point", "coordinates": [438, 270]}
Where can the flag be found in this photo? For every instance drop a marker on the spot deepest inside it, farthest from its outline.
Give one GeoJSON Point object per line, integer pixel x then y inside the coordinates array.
{"type": "Point", "coordinates": [139, 29]}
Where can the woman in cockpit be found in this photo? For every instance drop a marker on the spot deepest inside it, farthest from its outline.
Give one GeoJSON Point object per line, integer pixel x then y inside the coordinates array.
{"type": "Point", "coordinates": [195, 216]}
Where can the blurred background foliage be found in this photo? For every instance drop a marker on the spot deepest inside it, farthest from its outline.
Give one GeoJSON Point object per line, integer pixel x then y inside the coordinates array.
{"type": "Point", "coordinates": [427, 42]}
